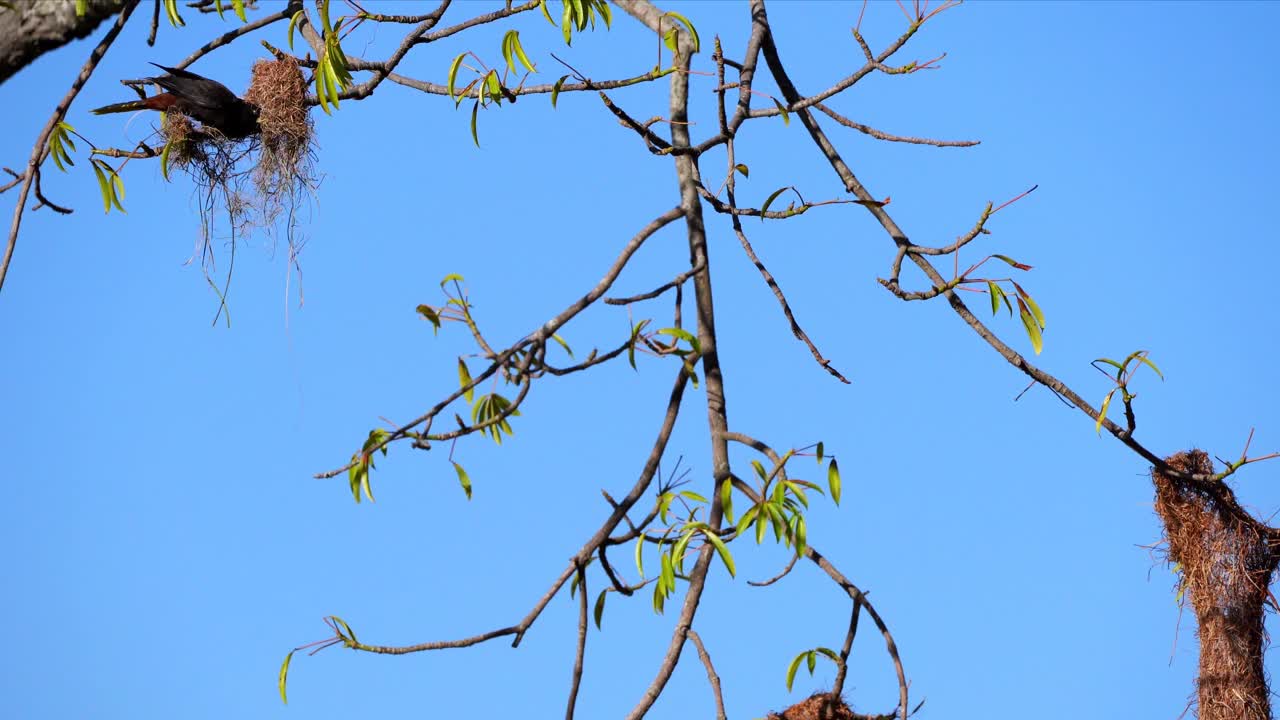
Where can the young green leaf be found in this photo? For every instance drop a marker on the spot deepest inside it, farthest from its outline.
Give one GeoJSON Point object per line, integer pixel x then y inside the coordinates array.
{"type": "Point", "coordinates": [640, 555]}
{"type": "Point", "coordinates": [171, 12]}
{"type": "Point", "coordinates": [769, 201]}
{"type": "Point", "coordinates": [793, 667]}
{"type": "Point", "coordinates": [1035, 309]}
{"type": "Point", "coordinates": [284, 676]}
{"type": "Point", "coordinates": [511, 45]}
{"type": "Point", "coordinates": [555, 89]}
{"type": "Point", "coordinates": [453, 75]}
{"type": "Point", "coordinates": [746, 172]}
{"type": "Point", "coordinates": [819, 453]}
{"type": "Point", "coordinates": [464, 380]}
{"type": "Point", "coordinates": [726, 500]}
{"type": "Point", "coordinates": [721, 549]}
{"type": "Point", "coordinates": [293, 23]}
{"type": "Point", "coordinates": [598, 611]}
{"type": "Point", "coordinates": [1012, 262]}
{"type": "Point", "coordinates": [463, 479]}
{"type": "Point", "coordinates": [475, 111]}
{"type": "Point", "coordinates": [1102, 413]}
{"type": "Point", "coordinates": [1033, 327]}
{"type": "Point", "coordinates": [833, 480]}
{"type": "Point", "coordinates": [786, 117]}
{"type": "Point", "coordinates": [693, 33]}
{"type": "Point", "coordinates": [346, 629]}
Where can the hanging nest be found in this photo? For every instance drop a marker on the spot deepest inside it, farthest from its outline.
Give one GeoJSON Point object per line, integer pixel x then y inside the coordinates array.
{"type": "Point", "coordinates": [819, 706]}
{"type": "Point", "coordinates": [284, 158]}
{"type": "Point", "coordinates": [1226, 562]}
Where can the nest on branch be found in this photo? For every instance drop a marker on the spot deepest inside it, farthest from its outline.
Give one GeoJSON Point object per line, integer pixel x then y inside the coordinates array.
{"type": "Point", "coordinates": [253, 181]}
{"type": "Point", "coordinates": [819, 706]}
{"type": "Point", "coordinates": [1226, 562]}
{"type": "Point", "coordinates": [277, 160]}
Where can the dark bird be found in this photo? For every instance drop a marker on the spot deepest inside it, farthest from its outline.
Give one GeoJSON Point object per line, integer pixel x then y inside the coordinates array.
{"type": "Point", "coordinates": [200, 99]}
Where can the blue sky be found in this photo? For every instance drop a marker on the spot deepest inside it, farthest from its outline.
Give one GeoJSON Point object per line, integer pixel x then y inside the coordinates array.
{"type": "Point", "coordinates": [168, 545]}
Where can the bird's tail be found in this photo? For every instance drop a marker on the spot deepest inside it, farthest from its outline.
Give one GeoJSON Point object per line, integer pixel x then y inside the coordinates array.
{"type": "Point", "coordinates": [121, 107]}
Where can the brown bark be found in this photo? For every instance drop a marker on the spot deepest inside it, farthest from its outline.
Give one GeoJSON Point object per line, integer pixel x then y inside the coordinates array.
{"type": "Point", "coordinates": [31, 28]}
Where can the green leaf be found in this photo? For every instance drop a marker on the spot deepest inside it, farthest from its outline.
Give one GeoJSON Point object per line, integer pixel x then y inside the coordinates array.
{"type": "Point", "coordinates": [293, 22]}
{"type": "Point", "coordinates": [812, 661]}
{"type": "Point", "coordinates": [669, 39]}
{"type": "Point", "coordinates": [430, 314]}
{"type": "Point", "coordinates": [545, 12]}
{"type": "Point", "coordinates": [759, 468]}
{"type": "Point", "coordinates": [631, 347]}
{"type": "Point", "coordinates": [819, 452]}
{"type": "Point", "coordinates": [563, 344]}
{"type": "Point", "coordinates": [678, 552]}
{"type": "Point", "coordinates": [103, 186]}
{"type": "Point", "coordinates": [117, 189]}
{"type": "Point", "coordinates": [493, 86]}
{"type": "Point", "coordinates": [1111, 362]}
{"type": "Point", "coordinates": [830, 654]}
{"type": "Point", "coordinates": [464, 379]}
{"type": "Point", "coordinates": [667, 577]}
{"type": "Point", "coordinates": [453, 75]}
{"type": "Point", "coordinates": [786, 117]}
{"type": "Point", "coordinates": [691, 495]}
{"type": "Point", "coordinates": [1102, 413]}
{"type": "Point", "coordinates": [640, 555]}
{"type": "Point", "coordinates": [1035, 309]}
{"type": "Point", "coordinates": [511, 44]}
{"type": "Point", "coordinates": [769, 201]}
{"type": "Point", "coordinates": [451, 277]}
{"type": "Point", "coordinates": [793, 667]}
{"type": "Point", "coordinates": [284, 676]}
{"type": "Point", "coordinates": [238, 6]}
{"type": "Point", "coordinates": [602, 6]}
{"type": "Point", "coordinates": [833, 480]}
{"type": "Point", "coordinates": [746, 173]}
{"type": "Point", "coordinates": [1033, 328]}
{"type": "Point", "coordinates": [996, 294]}
{"type": "Point", "coordinates": [171, 12]}
{"type": "Point", "coordinates": [475, 111]}
{"type": "Point", "coordinates": [726, 499]}
{"type": "Point", "coordinates": [345, 628]}
{"type": "Point", "coordinates": [164, 159]}
{"type": "Point", "coordinates": [1012, 262]}
{"type": "Point", "coordinates": [801, 534]}
{"type": "Point", "coordinates": [722, 549]}
{"type": "Point", "coordinates": [1141, 356]}
{"type": "Point", "coordinates": [693, 33]}
{"type": "Point", "coordinates": [566, 27]}
{"type": "Point", "coordinates": [685, 335]}
{"type": "Point", "coordinates": [463, 479]}
{"type": "Point", "coordinates": [599, 608]}
{"type": "Point", "coordinates": [555, 89]}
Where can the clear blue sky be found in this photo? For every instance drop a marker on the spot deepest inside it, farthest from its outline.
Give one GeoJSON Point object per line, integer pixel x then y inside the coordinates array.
{"type": "Point", "coordinates": [167, 545]}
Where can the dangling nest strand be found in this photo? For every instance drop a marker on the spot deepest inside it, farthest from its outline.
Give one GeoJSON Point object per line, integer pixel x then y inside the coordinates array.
{"type": "Point", "coordinates": [1226, 562]}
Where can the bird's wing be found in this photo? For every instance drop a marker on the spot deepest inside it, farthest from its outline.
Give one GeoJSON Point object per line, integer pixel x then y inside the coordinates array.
{"type": "Point", "coordinates": [195, 90]}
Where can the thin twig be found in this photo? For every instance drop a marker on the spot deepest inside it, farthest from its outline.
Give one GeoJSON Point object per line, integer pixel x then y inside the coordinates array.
{"type": "Point", "coordinates": [712, 677]}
